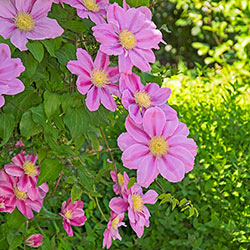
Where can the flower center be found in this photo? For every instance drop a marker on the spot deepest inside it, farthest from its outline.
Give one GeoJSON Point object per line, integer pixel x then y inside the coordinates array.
{"type": "Point", "coordinates": [115, 221]}
{"type": "Point", "coordinates": [120, 179]}
{"type": "Point", "coordinates": [24, 21]}
{"type": "Point", "coordinates": [99, 78]}
{"type": "Point", "coordinates": [91, 5]}
{"type": "Point", "coordinates": [143, 99]}
{"type": "Point", "coordinates": [137, 202]}
{"type": "Point", "coordinates": [68, 214]}
{"type": "Point", "coordinates": [20, 195]}
{"type": "Point", "coordinates": [29, 168]}
{"type": "Point", "coordinates": [158, 146]}
{"type": "Point", "coordinates": [127, 39]}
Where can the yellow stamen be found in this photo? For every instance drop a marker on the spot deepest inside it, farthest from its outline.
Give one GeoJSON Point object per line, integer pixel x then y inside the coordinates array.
{"type": "Point", "coordinates": [2, 205]}
{"type": "Point", "coordinates": [120, 179]}
{"type": "Point", "coordinates": [99, 77]}
{"type": "Point", "coordinates": [115, 221]}
{"type": "Point", "coordinates": [68, 214]}
{"type": "Point", "coordinates": [143, 99]}
{"type": "Point", "coordinates": [127, 39]}
{"type": "Point", "coordinates": [158, 146]}
{"type": "Point", "coordinates": [91, 5]}
{"type": "Point", "coordinates": [20, 195]}
{"type": "Point", "coordinates": [24, 21]}
{"type": "Point", "coordinates": [137, 202]}
{"type": "Point", "coordinates": [29, 168]}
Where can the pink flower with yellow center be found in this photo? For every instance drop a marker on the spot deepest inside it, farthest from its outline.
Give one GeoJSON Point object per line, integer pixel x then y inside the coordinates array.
{"type": "Point", "coordinates": [130, 35]}
{"type": "Point", "coordinates": [157, 146]}
{"type": "Point", "coordinates": [94, 9]}
{"type": "Point", "coordinates": [122, 180]}
{"type": "Point", "coordinates": [10, 69]}
{"type": "Point", "coordinates": [96, 79]}
{"type": "Point", "coordinates": [137, 98]}
{"type": "Point", "coordinates": [23, 166]}
{"type": "Point", "coordinates": [135, 204]}
{"type": "Point", "coordinates": [21, 20]}
{"type": "Point", "coordinates": [21, 200]}
{"type": "Point", "coordinates": [72, 214]}
{"type": "Point", "coordinates": [112, 232]}
{"type": "Point", "coordinates": [35, 240]}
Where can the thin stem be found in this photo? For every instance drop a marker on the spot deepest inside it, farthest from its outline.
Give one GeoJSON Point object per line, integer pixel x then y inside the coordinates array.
{"type": "Point", "coordinates": [17, 106]}
{"type": "Point", "coordinates": [112, 159]}
{"type": "Point", "coordinates": [57, 183]}
{"type": "Point", "coordinates": [160, 186]}
{"type": "Point", "coordinates": [25, 233]}
{"type": "Point", "coordinates": [98, 205]}
{"type": "Point", "coordinates": [93, 153]}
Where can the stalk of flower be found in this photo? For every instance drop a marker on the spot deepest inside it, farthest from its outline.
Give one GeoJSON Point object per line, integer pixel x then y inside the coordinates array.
{"type": "Point", "coordinates": [21, 200]}
{"type": "Point", "coordinates": [131, 41]}
{"type": "Point", "coordinates": [23, 166]}
{"type": "Point", "coordinates": [10, 69]}
{"type": "Point", "coordinates": [111, 232]}
{"type": "Point", "coordinates": [96, 79]}
{"type": "Point", "coordinates": [21, 20]}
{"type": "Point", "coordinates": [93, 9]}
{"type": "Point", "coordinates": [72, 214]}
{"type": "Point", "coordinates": [34, 240]}
{"type": "Point", "coordinates": [157, 146]}
{"type": "Point", "coordinates": [137, 98]}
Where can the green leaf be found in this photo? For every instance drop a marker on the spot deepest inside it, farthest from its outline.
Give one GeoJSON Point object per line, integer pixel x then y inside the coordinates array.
{"type": "Point", "coordinates": [77, 121]}
{"type": "Point", "coordinates": [182, 202]}
{"type": "Point", "coordinates": [136, 3]}
{"type": "Point", "coordinates": [76, 193]}
{"type": "Point", "coordinates": [52, 45]}
{"type": "Point", "coordinates": [66, 53]}
{"type": "Point", "coordinates": [15, 219]}
{"type": "Point", "coordinates": [85, 180]}
{"type": "Point", "coordinates": [75, 26]}
{"type": "Point", "coordinates": [7, 124]}
{"type": "Point", "coordinates": [38, 115]}
{"type": "Point", "coordinates": [51, 103]}
{"type": "Point", "coordinates": [28, 127]}
{"type": "Point", "coordinates": [50, 170]}
{"type": "Point", "coordinates": [36, 49]}
{"type": "Point", "coordinates": [131, 182]}
{"type": "Point", "coordinates": [14, 240]}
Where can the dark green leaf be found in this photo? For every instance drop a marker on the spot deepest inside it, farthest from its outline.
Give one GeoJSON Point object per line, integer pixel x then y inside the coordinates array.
{"type": "Point", "coordinates": [37, 50]}
{"type": "Point", "coordinates": [7, 124]}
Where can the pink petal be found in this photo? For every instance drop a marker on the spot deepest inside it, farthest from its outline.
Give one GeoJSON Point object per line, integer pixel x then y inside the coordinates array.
{"type": "Point", "coordinates": [110, 49]}
{"type": "Point", "coordinates": [85, 59]}
{"type": "Point", "coordinates": [147, 172]}
{"type": "Point", "coordinates": [181, 129]}
{"type": "Point", "coordinates": [116, 14]}
{"type": "Point", "coordinates": [101, 60]}
{"type": "Point", "coordinates": [118, 205]}
{"type": "Point", "coordinates": [67, 228]}
{"type": "Point", "coordinates": [93, 99]}
{"type": "Point", "coordinates": [169, 128]}
{"type": "Point", "coordinates": [25, 210]}
{"type": "Point", "coordinates": [150, 197]}
{"type": "Point", "coordinates": [161, 96]}
{"type": "Point", "coordinates": [113, 89]}
{"type": "Point", "coordinates": [133, 156]}
{"type": "Point", "coordinates": [125, 64]}
{"type": "Point", "coordinates": [40, 8]}
{"type": "Point", "coordinates": [154, 121]}
{"type": "Point", "coordinates": [4, 51]}
{"type": "Point", "coordinates": [113, 73]}
{"type": "Point", "coordinates": [24, 5]}
{"type": "Point", "coordinates": [78, 68]}
{"type": "Point", "coordinates": [96, 18]}
{"type": "Point", "coordinates": [136, 131]}
{"type": "Point", "coordinates": [127, 98]}
{"type": "Point", "coordinates": [135, 113]}
{"type": "Point", "coordinates": [171, 168]}
{"type": "Point", "coordinates": [15, 87]}
{"type": "Point", "coordinates": [13, 170]}
{"type": "Point", "coordinates": [23, 183]}
{"type": "Point", "coordinates": [139, 60]}
{"type": "Point", "coordinates": [2, 101]}
{"type": "Point", "coordinates": [107, 100]}
{"type": "Point", "coordinates": [83, 85]}
{"type": "Point", "coordinates": [135, 20]}
{"type": "Point", "coordinates": [125, 140]}
{"type": "Point", "coordinates": [19, 40]}
{"type": "Point", "coordinates": [7, 10]}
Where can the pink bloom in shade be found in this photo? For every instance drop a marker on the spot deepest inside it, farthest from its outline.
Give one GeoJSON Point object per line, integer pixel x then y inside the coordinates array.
{"type": "Point", "coordinates": [94, 9]}
{"type": "Point", "coordinates": [27, 19]}
{"type": "Point", "coordinates": [137, 212]}
{"type": "Point", "coordinates": [137, 98]}
{"type": "Point", "coordinates": [35, 240]}
{"type": "Point", "coordinates": [72, 214]}
{"type": "Point", "coordinates": [23, 166]}
{"type": "Point", "coordinates": [10, 69]}
{"type": "Point", "coordinates": [130, 35]}
{"type": "Point", "coordinates": [59, 1]}
{"type": "Point", "coordinates": [5, 205]}
{"type": "Point", "coordinates": [96, 79]}
{"type": "Point", "coordinates": [157, 146]}
{"type": "Point", "coordinates": [112, 232]}
{"type": "Point", "coordinates": [122, 181]}
{"type": "Point", "coordinates": [21, 200]}
{"type": "Point", "coordinates": [19, 144]}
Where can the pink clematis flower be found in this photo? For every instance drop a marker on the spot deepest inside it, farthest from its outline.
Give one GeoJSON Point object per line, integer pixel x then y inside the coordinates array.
{"type": "Point", "coordinates": [5, 205]}
{"type": "Point", "coordinates": [10, 69]}
{"type": "Point", "coordinates": [112, 232]}
{"type": "Point", "coordinates": [137, 98]}
{"type": "Point", "coordinates": [23, 166]}
{"type": "Point", "coordinates": [94, 9]}
{"type": "Point", "coordinates": [35, 240]}
{"type": "Point", "coordinates": [96, 79]}
{"type": "Point", "coordinates": [157, 146]}
{"type": "Point", "coordinates": [137, 212]}
{"type": "Point", "coordinates": [27, 19]}
{"type": "Point", "coordinates": [130, 35]}
{"type": "Point", "coordinates": [21, 200]}
{"type": "Point", "coordinates": [122, 181]}
{"type": "Point", "coordinates": [72, 214]}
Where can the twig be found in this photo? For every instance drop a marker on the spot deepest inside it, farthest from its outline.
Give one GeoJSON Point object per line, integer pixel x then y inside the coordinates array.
{"type": "Point", "coordinates": [17, 107]}
{"type": "Point", "coordinates": [57, 183]}
{"type": "Point", "coordinates": [112, 159]}
{"type": "Point", "coordinates": [98, 205]}
{"type": "Point", "coordinates": [160, 186]}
